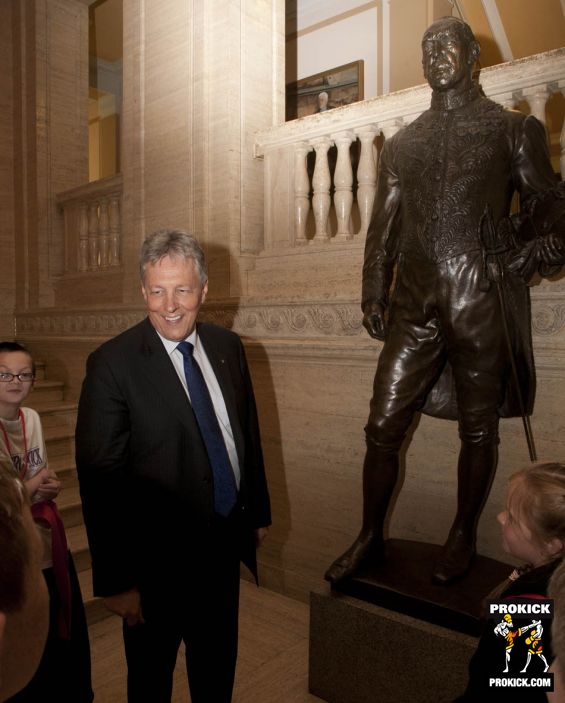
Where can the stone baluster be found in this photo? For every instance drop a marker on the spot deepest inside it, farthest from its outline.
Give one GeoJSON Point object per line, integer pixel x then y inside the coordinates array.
{"type": "Point", "coordinates": [391, 128]}
{"type": "Point", "coordinates": [507, 100]}
{"type": "Point", "coordinates": [115, 229]}
{"type": "Point", "coordinates": [366, 175]}
{"type": "Point", "coordinates": [388, 130]}
{"type": "Point", "coordinates": [343, 182]}
{"type": "Point", "coordinates": [83, 237]}
{"type": "Point", "coordinates": [301, 192]}
{"type": "Point", "coordinates": [537, 100]}
{"type": "Point", "coordinates": [321, 182]}
{"type": "Point", "coordinates": [104, 234]}
{"type": "Point", "coordinates": [93, 235]}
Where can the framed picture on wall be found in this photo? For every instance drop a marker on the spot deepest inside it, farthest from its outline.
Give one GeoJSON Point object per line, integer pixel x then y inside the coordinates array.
{"type": "Point", "coordinates": [323, 91]}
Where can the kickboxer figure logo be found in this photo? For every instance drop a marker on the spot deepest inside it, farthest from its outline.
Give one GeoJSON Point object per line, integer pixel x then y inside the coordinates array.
{"type": "Point", "coordinates": [505, 629]}
{"type": "Point", "coordinates": [535, 646]}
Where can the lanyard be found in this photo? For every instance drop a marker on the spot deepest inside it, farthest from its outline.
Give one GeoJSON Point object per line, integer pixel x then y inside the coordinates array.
{"type": "Point", "coordinates": [9, 445]}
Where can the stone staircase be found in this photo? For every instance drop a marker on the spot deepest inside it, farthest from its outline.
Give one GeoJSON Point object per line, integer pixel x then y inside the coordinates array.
{"type": "Point", "coordinates": [58, 418]}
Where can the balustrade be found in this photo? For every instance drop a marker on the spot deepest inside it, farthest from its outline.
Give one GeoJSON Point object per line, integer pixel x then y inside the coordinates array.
{"type": "Point", "coordinates": [92, 225]}
{"type": "Point", "coordinates": [324, 205]}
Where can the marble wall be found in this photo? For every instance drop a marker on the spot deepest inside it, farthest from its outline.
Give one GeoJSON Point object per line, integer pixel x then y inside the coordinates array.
{"type": "Point", "coordinates": [7, 240]}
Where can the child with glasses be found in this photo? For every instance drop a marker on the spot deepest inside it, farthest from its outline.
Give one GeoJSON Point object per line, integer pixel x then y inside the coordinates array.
{"type": "Point", "coordinates": [64, 670]}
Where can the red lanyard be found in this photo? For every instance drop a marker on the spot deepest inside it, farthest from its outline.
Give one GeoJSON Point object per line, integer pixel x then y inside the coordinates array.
{"type": "Point", "coordinates": [9, 445]}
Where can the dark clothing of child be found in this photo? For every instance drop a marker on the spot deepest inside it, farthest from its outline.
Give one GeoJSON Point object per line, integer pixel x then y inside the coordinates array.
{"type": "Point", "coordinates": [489, 659]}
{"type": "Point", "coordinates": [64, 672]}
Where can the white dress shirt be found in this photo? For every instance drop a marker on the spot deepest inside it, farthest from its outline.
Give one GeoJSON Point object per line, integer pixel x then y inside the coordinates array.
{"type": "Point", "coordinates": [214, 388]}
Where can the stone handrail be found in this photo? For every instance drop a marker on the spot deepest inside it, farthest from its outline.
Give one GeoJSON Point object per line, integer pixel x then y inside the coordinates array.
{"type": "Point", "coordinates": [92, 225]}
{"type": "Point", "coordinates": [329, 199]}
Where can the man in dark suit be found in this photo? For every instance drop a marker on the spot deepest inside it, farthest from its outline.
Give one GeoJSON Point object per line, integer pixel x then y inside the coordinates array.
{"type": "Point", "coordinates": [165, 552]}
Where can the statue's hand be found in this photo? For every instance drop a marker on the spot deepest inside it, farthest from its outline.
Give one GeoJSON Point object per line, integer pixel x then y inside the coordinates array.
{"type": "Point", "coordinates": [374, 319]}
{"type": "Point", "coordinates": [545, 254]}
{"type": "Point", "coordinates": [552, 250]}
{"type": "Point", "coordinates": [524, 261]}
{"type": "Point", "coordinates": [541, 229]}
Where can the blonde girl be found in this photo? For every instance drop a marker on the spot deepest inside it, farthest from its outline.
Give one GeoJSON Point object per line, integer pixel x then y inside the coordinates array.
{"type": "Point", "coordinates": [533, 532]}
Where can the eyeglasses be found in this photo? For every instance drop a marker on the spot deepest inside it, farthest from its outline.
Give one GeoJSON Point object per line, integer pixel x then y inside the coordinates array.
{"type": "Point", "coordinates": [24, 377]}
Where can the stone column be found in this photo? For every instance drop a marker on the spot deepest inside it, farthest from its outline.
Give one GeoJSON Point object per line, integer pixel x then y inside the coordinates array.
{"type": "Point", "coordinates": [215, 69]}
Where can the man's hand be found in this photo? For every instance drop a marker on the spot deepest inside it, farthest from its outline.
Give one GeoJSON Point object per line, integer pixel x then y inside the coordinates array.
{"type": "Point", "coordinates": [260, 536]}
{"type": "Point", "coordinates": [374, 319]}
{"type": "Point", "coordinates": [127, 605]}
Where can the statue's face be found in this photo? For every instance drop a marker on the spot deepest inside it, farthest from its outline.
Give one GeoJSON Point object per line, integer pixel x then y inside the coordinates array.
{"type": "Point", "coordinates": [446, 56]}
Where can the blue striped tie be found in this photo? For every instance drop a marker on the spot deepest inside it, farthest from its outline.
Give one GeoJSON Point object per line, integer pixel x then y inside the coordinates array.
{"type": "Point", "coordinates": [225, 490]}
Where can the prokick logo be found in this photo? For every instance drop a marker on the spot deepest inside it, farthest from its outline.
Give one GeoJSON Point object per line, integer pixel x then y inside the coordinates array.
{"type": "Point", "coordinates": [522, 627]}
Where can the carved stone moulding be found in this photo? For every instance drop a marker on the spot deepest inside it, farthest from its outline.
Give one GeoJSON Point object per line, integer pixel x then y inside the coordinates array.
{"type": "Point", "coordinates": [73, 324]}
{"type": "Point", "coordinates": [290, 320]}
{"type": "Point", "coordinates": [548, 317]}
{"type": "Point", "coordinates": [285, 320]}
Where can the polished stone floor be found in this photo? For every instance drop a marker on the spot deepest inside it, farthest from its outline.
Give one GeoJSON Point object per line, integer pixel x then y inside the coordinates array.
{"type": "Point", "coordinates": [272, 662]}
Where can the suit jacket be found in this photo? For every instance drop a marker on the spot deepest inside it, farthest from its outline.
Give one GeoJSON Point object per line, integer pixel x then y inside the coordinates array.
{"type": "Point", "coordinates": [145, 479]}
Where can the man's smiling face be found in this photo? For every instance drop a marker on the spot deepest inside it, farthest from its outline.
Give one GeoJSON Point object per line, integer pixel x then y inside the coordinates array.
{"type": "Point", "coordinates": [173, 291]}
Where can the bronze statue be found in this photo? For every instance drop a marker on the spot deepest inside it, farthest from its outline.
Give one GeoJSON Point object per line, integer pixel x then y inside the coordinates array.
{"type": "Point", "coordinates": [441, 225]}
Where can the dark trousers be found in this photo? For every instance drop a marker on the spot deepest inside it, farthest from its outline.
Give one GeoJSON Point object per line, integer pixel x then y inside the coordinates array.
{"type": "Point", "coordinates": [64, 673]}
{"type": "Point", "coordinates": [196, 604]}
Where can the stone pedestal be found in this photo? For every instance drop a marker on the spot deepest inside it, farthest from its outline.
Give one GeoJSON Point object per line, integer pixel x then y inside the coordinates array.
{"type": "Point", "coordinates": [391, 635]}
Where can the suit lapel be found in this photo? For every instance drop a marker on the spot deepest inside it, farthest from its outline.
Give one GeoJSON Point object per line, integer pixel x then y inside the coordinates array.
{"type": "Point", "coordinates": [161, 374]}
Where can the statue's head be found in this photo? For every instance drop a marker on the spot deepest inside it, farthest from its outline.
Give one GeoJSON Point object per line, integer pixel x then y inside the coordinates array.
{"type": "Point", "coordinates": [449, 53]}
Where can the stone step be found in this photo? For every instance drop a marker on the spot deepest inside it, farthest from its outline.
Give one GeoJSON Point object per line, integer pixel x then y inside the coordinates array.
{"type": "Point", "coordinates": [94, 607]}
{"type": "Point", "coordinates": [56, 414]}
{"type": "Point", "coordinates": [66, 471]}
{"type": "Point", "coordinates": [60, 442]}
{"type": "Point", "coordinates": [70, 509]}
{"type": "Point", "coordinates": [68, 497]}
{"type": "Point", "coordinates": [71, 512]}
{"type": "Point", "coordinates": [45, 391]}
{"type": "Point", "coordinates": [39, 370]}
{"type": "Point", "coordinates": [78, 544]}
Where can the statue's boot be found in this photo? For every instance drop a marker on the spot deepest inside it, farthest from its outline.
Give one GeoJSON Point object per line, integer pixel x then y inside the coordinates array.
{"type": "Point", "coordinates": [456, 556]}
{"type": "Point", "coordinates": [380, 473]}
{"type": "Point", "coordinates": [477, 466]}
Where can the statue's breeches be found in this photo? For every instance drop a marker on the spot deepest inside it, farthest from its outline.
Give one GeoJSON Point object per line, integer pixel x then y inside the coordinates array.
{"type": "Point", "coordinates": [439, 315]}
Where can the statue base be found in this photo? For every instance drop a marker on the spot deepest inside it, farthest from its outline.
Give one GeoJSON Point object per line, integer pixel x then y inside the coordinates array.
{"type": "Point", "coordinates": [390, 634]}
{"type": "Point", "coordinates": [403, 582]}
